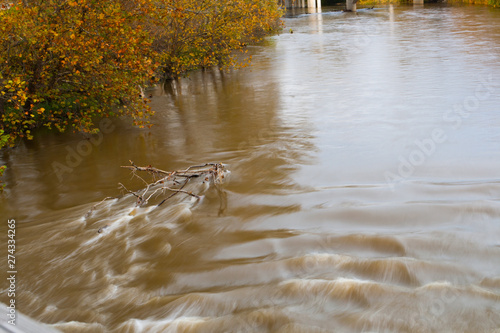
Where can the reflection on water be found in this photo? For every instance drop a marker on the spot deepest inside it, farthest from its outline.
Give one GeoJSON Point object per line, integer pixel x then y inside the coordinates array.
{"type": "Point", "coordinates": [364, 194]}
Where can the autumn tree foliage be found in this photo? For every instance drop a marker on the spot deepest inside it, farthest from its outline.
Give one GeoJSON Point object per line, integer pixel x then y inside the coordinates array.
{"type": "Point", "coordinates": [192, 34]}
{"type": "Point", "coordinates": [62, 63]}
{"type": "Point", "coordinates": [3, 142]}
{"type": "Point", "coordinates": [65, 63]}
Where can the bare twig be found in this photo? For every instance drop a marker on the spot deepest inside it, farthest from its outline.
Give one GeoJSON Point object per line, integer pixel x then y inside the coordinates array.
{"type": "Point", "coordinates": [182, 191]}
{"type": "Point", "coordinates": [149, 168]}
{"type": "Point", "coordinates": [176, 192]}
{"type": "Point", "coordinates": [91, 210]}
{"type": "Point", "coordinates": [140, 200]}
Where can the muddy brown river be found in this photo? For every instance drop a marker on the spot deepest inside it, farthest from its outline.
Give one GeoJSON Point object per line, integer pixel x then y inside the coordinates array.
{"type": "Point", "coordinates": [363, 193]}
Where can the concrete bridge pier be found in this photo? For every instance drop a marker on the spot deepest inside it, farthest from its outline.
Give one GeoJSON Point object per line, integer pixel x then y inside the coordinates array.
{"type": "Point", "coordinates": [314, 3]}
{"type": "Point", "coordinates": [350, 5]}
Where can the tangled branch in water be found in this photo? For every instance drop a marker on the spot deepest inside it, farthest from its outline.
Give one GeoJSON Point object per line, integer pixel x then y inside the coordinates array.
{"type": "Point", "coordinates": [170, 182]}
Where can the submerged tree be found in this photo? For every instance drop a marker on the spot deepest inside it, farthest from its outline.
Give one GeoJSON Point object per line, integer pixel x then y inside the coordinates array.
{"type": "Point", "coordinates": [64, 63]}
{"type": "Point", "coordinates": [192, 34]}
{"type": "Point", "coordinates": [164, 185]}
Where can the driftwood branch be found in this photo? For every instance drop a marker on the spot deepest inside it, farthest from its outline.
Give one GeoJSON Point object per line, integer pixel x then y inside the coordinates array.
{"type": "Point", "coordinates": [209, 172]}
{"type": "Point", "coordinates": [172, 183]}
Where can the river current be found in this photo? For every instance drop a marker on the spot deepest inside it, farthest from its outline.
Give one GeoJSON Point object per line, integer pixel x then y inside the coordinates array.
{"type": "Point", "coordinates": [363, 193]}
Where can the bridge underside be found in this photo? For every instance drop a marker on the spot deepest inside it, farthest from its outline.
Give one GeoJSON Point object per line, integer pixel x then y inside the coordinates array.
{"type": "Point", "coordinates": [350, 4]}
{"type": "Point", "coordinates": [301, 3]}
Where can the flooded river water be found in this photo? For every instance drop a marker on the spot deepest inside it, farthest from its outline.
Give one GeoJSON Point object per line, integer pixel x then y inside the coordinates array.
{"type": "Point", "coordinates": [364, 193]}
